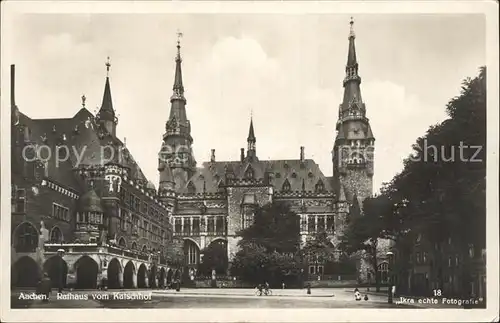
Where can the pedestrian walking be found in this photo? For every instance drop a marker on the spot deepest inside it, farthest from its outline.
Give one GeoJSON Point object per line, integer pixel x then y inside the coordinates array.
{"type": "Point", "coordinates": [45, 287]}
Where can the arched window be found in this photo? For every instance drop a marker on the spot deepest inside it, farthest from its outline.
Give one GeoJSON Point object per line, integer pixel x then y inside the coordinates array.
{"type": "Point", "coordinates": [191, 188]}
{"type": "Point", "coordinates": [26, 238]}
{"type": "Point", "coordinates": [122, 242]}
{"type": "Point", "coordinates": [56, 235]}
{"type": "Point", "coordinates": [383, 271]}
{"type": "Point", "coordinates": [286, 186]}
{"type": "Point", "coordinates": [134, 246]}
{"type": "Point", "coordinates": [192, 254]}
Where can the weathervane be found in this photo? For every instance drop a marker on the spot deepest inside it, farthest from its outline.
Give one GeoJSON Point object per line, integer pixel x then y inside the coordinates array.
{"type": "Point", "coordinates": [351, 33]}
{"type": "Point", "coordinates": [84, 98]}
{"type": "Point", "coordinates": [108, 65]}
{"type": "Point", "coordinates": [179, 36]}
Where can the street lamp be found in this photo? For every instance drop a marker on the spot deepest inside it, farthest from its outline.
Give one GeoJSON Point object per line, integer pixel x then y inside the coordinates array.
{"type": "Point", "coordinates": [60, 253]}
{"type": "Point", "coordinates": [389, 280]}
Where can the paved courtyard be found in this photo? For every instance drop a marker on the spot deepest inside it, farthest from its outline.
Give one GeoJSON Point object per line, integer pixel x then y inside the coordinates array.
{"type": "Point", "coordinates": [204, 298]}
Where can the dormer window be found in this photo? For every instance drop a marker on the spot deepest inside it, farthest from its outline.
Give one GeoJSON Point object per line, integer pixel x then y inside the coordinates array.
{"type": "Point", "coordinates": [294, 175]}
{"type": "Point", "coordinates": [286, 186]}
{"type": "Point", "coordinates": [320, 187]}
{"type": "Point", "coordinates": [249, 173]}
{"type": "Point", "coordinates": [191, 188]}
{"type": "Point", "coordinates": [278, 175]}
{"type": "Point", "coordinates": [311, 175]}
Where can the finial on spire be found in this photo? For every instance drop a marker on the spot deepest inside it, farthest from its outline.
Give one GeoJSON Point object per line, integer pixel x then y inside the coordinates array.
{"type": "Point", "coordinates": [84, 98]}
{"type": "Point", "coordinates": [179, 36]}
{"type": "Point", "coordinates": [108, 65]}
{"type": "Point", "coordinates": [351, 32]}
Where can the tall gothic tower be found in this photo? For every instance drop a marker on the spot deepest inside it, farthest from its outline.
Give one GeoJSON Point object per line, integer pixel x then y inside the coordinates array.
{"type": "Point", "coordinates": [353, 151]}
{"type": "Point", "coordinates": [176, 148]}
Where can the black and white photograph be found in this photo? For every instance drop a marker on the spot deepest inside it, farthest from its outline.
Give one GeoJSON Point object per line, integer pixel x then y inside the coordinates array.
{"type": "Point", "coordinates": [249, 161]}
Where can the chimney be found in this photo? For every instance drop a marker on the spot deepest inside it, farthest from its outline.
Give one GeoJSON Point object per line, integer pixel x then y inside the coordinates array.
{"type": "Point", "coordinates": [212, 156]}
{"type": "Point", "coordinates": [302, 153]}
{"type": "Point", "coordinates": [242, 154]}
{"type": "Point", "coordinates": [13, 85]}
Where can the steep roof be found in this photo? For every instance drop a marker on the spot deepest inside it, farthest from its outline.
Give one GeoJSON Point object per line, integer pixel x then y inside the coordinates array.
{"type": "Point", "coordinates": [90, 202]}
{"type": "Point", "coordinates": [211, 174]}
{"type": "Point", "coordinates": [86, 144]}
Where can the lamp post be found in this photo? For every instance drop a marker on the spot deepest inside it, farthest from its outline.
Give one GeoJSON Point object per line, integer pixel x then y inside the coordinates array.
{"type": "Point", "coordinates": [60, 253]}
{"type": "Point", "coordinates": [389, 278]}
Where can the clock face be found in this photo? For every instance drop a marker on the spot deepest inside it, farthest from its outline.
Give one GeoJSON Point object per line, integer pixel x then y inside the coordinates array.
{"type": "Point", "coordinates": [35, 190]}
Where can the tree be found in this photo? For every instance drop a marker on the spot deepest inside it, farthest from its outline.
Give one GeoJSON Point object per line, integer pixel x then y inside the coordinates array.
{"type": "Point", "coordinates": [175, 253]}
{"type": "Point", "coordinates": [269, 249]}
{"type": "Point", "coordinates": [276, 227]}
{"type": "Point", "coordinates": [363, 233]}
{"type": "Point", "coordinates": [440, 193]}
{"type": "Point", "coordinates": [321, 246]}
{"type": "Point", "coordinates": [214, 258]}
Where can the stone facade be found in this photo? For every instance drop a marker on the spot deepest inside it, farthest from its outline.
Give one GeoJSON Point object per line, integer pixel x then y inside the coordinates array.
{"type": "Point", "coordinates": [76, 180]}
{"type": "Point", "coordinates": [215, 200]}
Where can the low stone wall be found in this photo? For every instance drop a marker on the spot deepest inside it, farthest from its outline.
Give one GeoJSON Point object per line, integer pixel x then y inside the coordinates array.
{"type": "Point", "coordinates": [222, 284]}
{"type": "Point", "coordinates": [332, 283]}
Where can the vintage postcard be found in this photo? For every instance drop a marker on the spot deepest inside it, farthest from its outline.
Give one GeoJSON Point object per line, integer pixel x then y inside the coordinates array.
{"type": "Point", "coordinates": [249, 161]}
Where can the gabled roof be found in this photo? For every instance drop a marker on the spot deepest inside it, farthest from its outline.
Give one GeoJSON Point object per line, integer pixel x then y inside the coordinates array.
{"type": "Point", "coordinates": [295, 171]}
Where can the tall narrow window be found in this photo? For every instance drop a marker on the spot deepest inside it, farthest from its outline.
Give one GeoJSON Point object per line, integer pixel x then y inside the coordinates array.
{"type": "Point", "coordinates": [286, 186]}
{"type": "Point", "coordinates": [191, 188]}
{"type": "Point", "coordinates": [249, 174]}
{"type": "Point", "coordinates": [20, 200]}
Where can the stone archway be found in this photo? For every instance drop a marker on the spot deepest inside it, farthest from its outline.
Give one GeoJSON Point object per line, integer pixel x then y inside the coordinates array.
{"type": "Point", "coordinates": [163, 276]}
{"type": "Point", "coordinates": [57, 269]}
{"type": "Point", "coordinates": [86, 273]}
{"type": "Point", "coordinates": [25, 273]}
{"type": "Point", "coordinates": [128, 275]}
{"type": "Point", "coordinates": [142, 276]}
{"type": "Point", "coordinates": [152, 276]}
{"type": "Point", "coordinates": [115, 274]}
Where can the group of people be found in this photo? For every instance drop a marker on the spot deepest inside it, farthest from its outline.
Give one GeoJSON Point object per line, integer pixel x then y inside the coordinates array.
{"type": "Point", "coordinates": [357, 295]}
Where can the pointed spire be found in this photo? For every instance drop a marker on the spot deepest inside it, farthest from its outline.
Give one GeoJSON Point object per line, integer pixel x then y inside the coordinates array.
{"type": "Point", "coordinates": [106, 113]}
{"type": "Point", "coordinates": [352, 62]}
{"type": "Point", "coordinates": [251, 140]}
{"type": "Point", "coordinates": [84, 98]}
{"type": "Point", "coordinates": [178, 86]}
{"type": "Point", "coordinates": [251, 133]}
{"type": "Point", "coordinates": [352, 92]}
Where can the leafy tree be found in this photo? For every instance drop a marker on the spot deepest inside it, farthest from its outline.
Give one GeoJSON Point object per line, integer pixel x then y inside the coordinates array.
{"type": "Point", "coordinates": [320, 246]}
{"type": "Point", "coordinates": [175, 253]}
{"type": "Point", "coordinates": [440, 193]}
{"type": "Point", "coordinates": [214, 258]}
{"type": "Point", "coordinates": [269, 249]}
{"type": "Point", "coordinates": [276, 228]}
{"type": "Point", "coordinates": [363, 233]}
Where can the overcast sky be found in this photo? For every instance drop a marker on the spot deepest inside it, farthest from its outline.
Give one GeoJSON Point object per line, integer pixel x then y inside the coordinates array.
{"type": "Point", "coordinates": [288, 69]}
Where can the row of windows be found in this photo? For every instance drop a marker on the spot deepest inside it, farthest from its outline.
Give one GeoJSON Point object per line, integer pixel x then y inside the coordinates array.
{"type": "Point", "coordinates": [319, 187]}
{"type": "Point", "coordinates": [143, 228]}
{"type": "Point", "coordinates": [60, 212]}
{"type": "Point", "coordinates": [135, 204]}
{"type": "Point", "coordinates": [89, 217]}
{"type": "Point", "coordinates": [316, 270]}
{"type": "Point", "coordinates": [192, 226]}
{"type": "Point", "coordinates": [324, 223]}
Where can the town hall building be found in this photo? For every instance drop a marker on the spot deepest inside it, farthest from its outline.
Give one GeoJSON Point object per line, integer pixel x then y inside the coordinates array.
{"type": "Point", "coordinates": [96, 223]}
